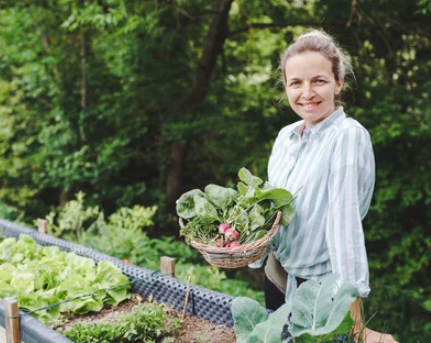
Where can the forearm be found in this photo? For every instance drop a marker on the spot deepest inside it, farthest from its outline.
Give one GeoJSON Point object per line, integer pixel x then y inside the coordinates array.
{"type": "Point", "coordinates": [356, 313]}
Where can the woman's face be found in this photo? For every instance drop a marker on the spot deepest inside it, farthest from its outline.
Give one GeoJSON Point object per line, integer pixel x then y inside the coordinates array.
{"type": "Point", "coordinates": [311, 86]}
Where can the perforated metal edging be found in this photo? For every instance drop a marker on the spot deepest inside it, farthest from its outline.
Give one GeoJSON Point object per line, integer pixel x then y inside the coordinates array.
{"type": "Point", "coordinates": [203, 303]}
{"type": "Point", "coordinates": [33, 331]}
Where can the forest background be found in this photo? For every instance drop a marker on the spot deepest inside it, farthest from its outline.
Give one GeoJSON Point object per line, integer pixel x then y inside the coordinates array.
{"type": "Point", "coordinates": [134, 102]}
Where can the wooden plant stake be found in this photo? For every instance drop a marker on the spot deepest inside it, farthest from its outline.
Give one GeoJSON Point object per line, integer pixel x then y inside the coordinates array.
{"type": "Point", "coordinates": [167, 266]}
{"type": "Point", "coordinates": [11, 320]}
{"type": "Point", "coordinates": [187, 298]}
{"type": "Point", "coordinates": [42, 226]}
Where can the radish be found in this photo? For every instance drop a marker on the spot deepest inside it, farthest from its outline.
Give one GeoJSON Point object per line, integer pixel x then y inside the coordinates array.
{"type": "Point", "coordinates": [231, 235]}
{"type": "Point", "coordinates": [234, 244]}
{"type": "Point", "coordinates": [219, 243]}
{"type": "Point", "coordinates": [223, 227]}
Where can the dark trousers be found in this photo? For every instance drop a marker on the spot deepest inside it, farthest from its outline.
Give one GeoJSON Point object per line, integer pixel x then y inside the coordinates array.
{"type": "Point", "coordinates": [274, 298]}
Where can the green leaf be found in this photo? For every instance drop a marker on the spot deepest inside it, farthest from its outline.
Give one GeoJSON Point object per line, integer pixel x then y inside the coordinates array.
{"type": "Point", "coordinates": [267, 186]}
{"type": "Point", "coordinates": [307, 338]}
{"type": "Point", "coordinates": [345, 326]}
{"type": "Point", "coordinates": [186, 204]}
{"type": "Point", "coordinates": [247, 200]}
{"type": "Point", "coordinates": [270, 330]}
{"type": "Point", "coordinates": [287, 214]}
{"type": "Point", "coordinates": [314, 312]}
{"type": "Point", "coordinates": [242, 188]}
{"type": "Point", "coordinates": [246, 313]}
{"type": "Point", "coordinates": [23, 283]}
{"type": "Point", "coordinates": [205, 210]}
{"type": "Point", "coordinates": [239, 219]}
{"type": "Point", "coordinates": [248, 178]}
{"type": "Point", "coordinates": [427, 305]}
{"type": "Point", "coordinates": [260, 234]}
{"type": "Point", "coordinates": [280, 197]}
{"type": "Point", "coordinates": [256, 218]}
{"type": "Point", "coordinates": [220, 197]}
{"type": "Point", "coordinates": [108, 276]}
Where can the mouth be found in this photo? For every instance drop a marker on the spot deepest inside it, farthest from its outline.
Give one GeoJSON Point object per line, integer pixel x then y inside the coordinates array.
{"type": "Point", "coordinates": [309, 105]}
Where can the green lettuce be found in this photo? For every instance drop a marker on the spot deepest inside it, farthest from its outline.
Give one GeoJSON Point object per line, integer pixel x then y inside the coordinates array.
{"type": "Point", "coordinates": [39, 276]}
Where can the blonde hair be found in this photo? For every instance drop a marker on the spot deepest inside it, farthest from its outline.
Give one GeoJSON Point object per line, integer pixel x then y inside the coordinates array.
{"type": "Point", "coordinates": [319, 41]}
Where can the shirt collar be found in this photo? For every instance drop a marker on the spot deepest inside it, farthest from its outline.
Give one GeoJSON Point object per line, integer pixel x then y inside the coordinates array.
{"type": "Point", "coordinates": [338, 114]}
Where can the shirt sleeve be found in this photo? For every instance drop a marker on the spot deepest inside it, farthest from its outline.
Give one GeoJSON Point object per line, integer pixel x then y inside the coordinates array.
{"type": "Point", "coordinates": [350, 188]}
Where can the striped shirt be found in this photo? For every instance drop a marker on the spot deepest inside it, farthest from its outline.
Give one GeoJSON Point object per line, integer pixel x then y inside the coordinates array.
{"type": "Point", "coordinates": [331, 172]}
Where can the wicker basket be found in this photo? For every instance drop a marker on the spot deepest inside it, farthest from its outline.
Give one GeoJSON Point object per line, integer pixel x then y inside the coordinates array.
{"type": "Point", "coordinates": [238, 256]}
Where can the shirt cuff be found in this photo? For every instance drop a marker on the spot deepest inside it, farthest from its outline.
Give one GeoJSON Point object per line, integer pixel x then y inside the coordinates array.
{"type": "Point", "coordinates": [363, 290]}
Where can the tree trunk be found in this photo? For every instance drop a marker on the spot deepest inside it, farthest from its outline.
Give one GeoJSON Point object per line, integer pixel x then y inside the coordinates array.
{"type": "Point", "coordinates": [84, 53]}
{"type": "Point", "coordinates": [213, 47]}
{"type": "Point", "coordinates": [176, 172]}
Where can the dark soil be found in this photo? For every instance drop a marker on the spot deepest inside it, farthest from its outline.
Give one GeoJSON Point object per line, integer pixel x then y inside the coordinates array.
{"type": "Point", "coordinates": [194, 330]}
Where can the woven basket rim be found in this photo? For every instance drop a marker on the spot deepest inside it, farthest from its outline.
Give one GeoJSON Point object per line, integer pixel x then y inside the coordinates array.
{"type": "Point", "coordinates": [242, 248]}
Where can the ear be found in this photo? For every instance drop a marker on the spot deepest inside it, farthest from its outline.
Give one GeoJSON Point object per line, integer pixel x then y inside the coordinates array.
{"type": "Point", "coordinates": [339, 86]}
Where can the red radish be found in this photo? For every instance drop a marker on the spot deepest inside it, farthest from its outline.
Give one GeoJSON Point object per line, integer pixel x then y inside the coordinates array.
{"type": "Point", "coordinates": [223, 227]}
{"type": "Point", "coordinates": [219, 243]}
{"type": "Point", "coordinates": [234, 244]}
{"type": "Point", "coordinates": [231, 235]}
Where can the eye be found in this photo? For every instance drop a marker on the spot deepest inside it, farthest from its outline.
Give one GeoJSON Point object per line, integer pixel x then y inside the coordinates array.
{"type": "Point", "coordinates": [320, 81]}
{"type": "Point", "coordinates": [294, 83]}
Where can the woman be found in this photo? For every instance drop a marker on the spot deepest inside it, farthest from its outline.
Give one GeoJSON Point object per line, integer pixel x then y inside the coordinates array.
{"type": "Point", "coordinates": [327, 161]}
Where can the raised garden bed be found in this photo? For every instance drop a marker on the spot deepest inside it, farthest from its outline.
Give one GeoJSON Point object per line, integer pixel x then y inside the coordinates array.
{"type": "Point", "coordinates": [203, 304]}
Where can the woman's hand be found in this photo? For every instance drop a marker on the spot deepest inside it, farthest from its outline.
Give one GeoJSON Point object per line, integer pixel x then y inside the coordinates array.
{"type": "Point", "coordinates": [365, 335]}
{"type": "Point", "coordinates": [371, 336]}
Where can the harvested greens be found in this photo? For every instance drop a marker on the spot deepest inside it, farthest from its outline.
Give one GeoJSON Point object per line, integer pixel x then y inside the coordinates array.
{"type": "Point", "coordinates": [226, 217]}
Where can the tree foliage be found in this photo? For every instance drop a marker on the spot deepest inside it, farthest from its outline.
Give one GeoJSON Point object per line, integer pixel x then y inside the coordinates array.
{"type": "Point", "coordinates": [135, 102]}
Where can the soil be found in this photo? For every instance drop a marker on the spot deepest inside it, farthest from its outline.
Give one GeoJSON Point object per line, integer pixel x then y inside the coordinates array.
{"type": "Point", "coordinates": [194, 330]}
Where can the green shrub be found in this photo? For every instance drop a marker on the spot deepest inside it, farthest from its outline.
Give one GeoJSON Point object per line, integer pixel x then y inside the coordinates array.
{"type": "Point", "coordinates": [123, 236]}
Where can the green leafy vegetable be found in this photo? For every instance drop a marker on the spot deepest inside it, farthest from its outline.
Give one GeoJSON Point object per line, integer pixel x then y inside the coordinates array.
{"type": "Point", "coordinates": [205, 210]}
{"type": "Point", "coordinates": [39, 276]}
{"type": "Point", "coordinates": [254, 325]}
{"type": "Point", "coordinates": [317, 315]}
{"type": "Point", "coordinates": [247, 313]}
{"type": "Point", "coordinates": [186, 204]}
{"type": "Point", "coordinates": [147, 323]}
{"type": "Point", "coordinates": [256, 219]}
{"type": "Point", "coordinates": [279, 196]}
{"type": "Point", "coordinates": [219, 196]}
{"type": "Point", "coordinates": [270, 330]}
{"type": "Point", "coordinates": [250, 210]}
{"type": "Point", "coordinates": [249, 179]}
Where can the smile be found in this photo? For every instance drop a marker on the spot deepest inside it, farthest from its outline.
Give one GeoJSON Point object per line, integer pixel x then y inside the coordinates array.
{"type": "Point", "coordinates": [309, 105]}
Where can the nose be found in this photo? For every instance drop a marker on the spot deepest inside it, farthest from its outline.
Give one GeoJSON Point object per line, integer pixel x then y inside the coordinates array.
{"type": "Point", "coordinates": [308, 92]}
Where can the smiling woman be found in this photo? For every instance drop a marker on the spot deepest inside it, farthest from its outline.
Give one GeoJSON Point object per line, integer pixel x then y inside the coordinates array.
{"type": "Point", "coordinates": [311, 86]}
{"type": "Point", "coordinates": [327, 161]}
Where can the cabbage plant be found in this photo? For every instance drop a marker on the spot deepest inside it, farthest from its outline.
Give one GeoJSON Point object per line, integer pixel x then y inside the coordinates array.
{"type": "Point", "coordinates": [318, 313]}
